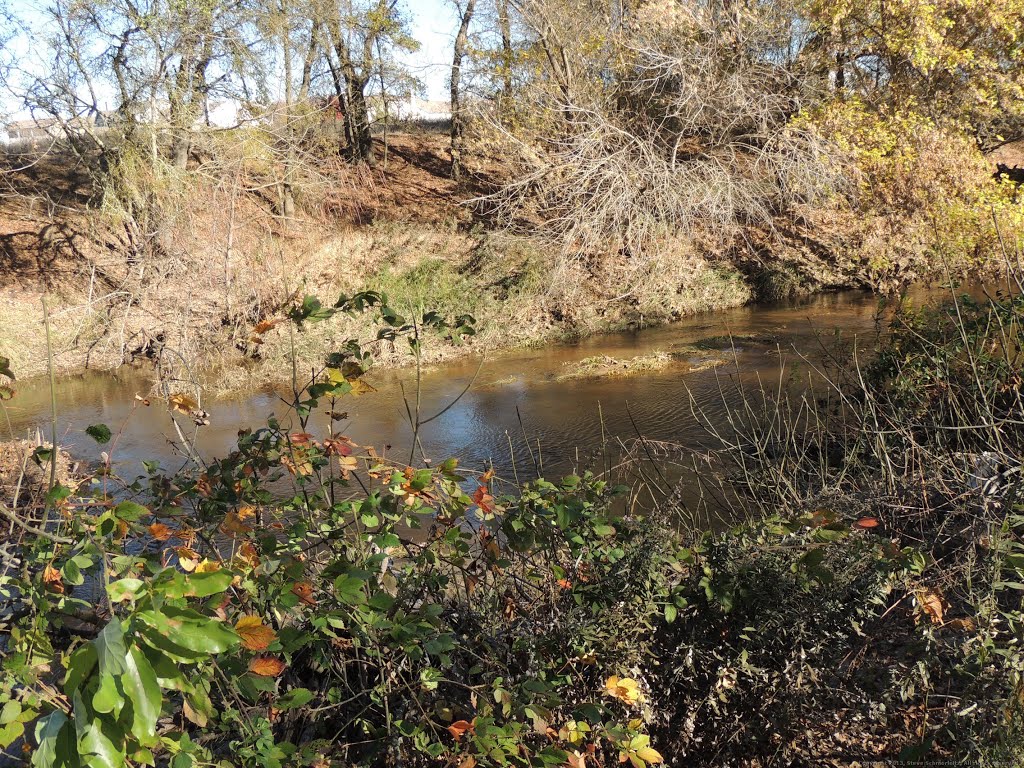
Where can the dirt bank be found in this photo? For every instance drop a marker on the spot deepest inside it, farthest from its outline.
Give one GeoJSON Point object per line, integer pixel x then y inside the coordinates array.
{"type": "Point", "coordinates": [219, 261]}
{"type": "Point", "coordinates": [182, 266]}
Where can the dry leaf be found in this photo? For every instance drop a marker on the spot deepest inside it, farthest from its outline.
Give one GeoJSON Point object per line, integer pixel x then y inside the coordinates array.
{"type": "Point", "coordinates": [867, 522]}
{"type": "Point", "coordinates": [247, 555]}
{"type": "Point", "coordinates": [244, 513]}
{"type": "Point", "coordinates": [966, 624]}
{"type": "Point", "coordinates": [256, 636]}
{"type": "Point", "coordinates": [931, 603]}
{"type": "Point", "coordinates": [483, 499]}
{"type": "Point", "coordinates": [193, 715]}
{"type": "Point", "coordinates": [300, 465]}
{"type": "Point", "coordinates": [468, 762]}
{"type": "Point", "coordinates": [266, 666]}
{"type": "Point", "coordinates": [160, 532]}
{"type": "Point", "coordinates": [233, 525]}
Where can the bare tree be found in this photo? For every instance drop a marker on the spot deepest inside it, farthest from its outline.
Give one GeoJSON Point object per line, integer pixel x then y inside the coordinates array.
{"type": "Point", "coordinates": [676, 123]}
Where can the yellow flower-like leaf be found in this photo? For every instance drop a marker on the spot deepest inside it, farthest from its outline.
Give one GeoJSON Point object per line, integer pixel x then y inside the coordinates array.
{"type": "Point", "coordinates": [625, 689]}
{"type": "Point", "coordinates": [650, 755]}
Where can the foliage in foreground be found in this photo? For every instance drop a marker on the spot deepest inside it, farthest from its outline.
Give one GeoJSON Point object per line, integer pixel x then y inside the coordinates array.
{"type": "Point", "coordinates": [308, 601]}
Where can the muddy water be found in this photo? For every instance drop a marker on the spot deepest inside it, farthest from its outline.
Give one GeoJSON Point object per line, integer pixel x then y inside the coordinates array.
{"type": "Point", "coordinates": [521, 414]}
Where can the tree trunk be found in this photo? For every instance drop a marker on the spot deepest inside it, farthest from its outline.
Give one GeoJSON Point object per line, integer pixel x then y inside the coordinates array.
{"type": "Point", "coordinates": [359, 116]}
{"type": "Point", "coordinates": [458, 115]}
{"type": "Point", "coordinates": [505, 26]}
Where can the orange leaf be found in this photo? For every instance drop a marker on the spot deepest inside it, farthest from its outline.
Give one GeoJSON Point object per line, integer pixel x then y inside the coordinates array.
{"type": "Point", "coordinates": [459, 728]}
{"type": "Point", "coordinates": [52, 580]}
{"type": "Point", "coordinates": [244, 513]}
{"type": "Point", "coordinates": [867, 522]}
{"type": "Point", "coordinates": [304, 591]}
{"type": "Point", "coordinates": [266, 325]}
{"type": "Point", "coordinates": [248, 555]}
{"type": "Point", "coordinates": [266, 666]}
{"type": "Point", "coordinates": [483, 499]}
{"type": "Point", "coordinates": [160, 532]}
{"type": "Point", "coordinates": [256, 636]}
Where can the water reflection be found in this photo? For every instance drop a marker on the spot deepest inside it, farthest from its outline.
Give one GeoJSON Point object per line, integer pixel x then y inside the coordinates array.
{"type": "Point", "coordinates": [518, 406]}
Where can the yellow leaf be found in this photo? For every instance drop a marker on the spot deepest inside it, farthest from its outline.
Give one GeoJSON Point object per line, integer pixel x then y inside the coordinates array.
{"type": "Point", "coordinates": [360, 387]}
{"type": "Point", "coordinates": [624, 689]}
{"type": "Point", "coordinates": [256, 636]}
{"type": "Point", "coordinates": [182, 403]}
{"type": "Point", "coordinates": [650, 755]}
{"type": "Point", "coordinates": [208, 566]}
{"type": "Point", "coordinates": [188, 559]}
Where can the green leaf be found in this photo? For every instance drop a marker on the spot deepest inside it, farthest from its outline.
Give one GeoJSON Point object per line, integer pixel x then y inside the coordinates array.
{"type": "Point", "coordinates": [349, 589]}
{"type": "Point", "coordinates": [11, 733]}
{"type": "Point", "coordinates": [670, 613]}
{"type": "Point", "coordinates": [80, 665]}
{"type": "Point", "coordinates": [125, 589]}
{"type": "Point", "coordinates": [10, 711]}
{"type": "Point", "coordinates": [168, 676]}
{"type": "Point", "coordinates": [47, 731]}
{"type": "Point", "coordinates": [209, 583]}
{"type": "Point", "coordinates": [57, 494]}
{"type": "Point", "coordinates": [97, 748]}
{"type": "Point", "coordinates": [191, 630]}
{"type": "Point", "coordinates": [141, 688]}
{"type": "Point", "coordinates": [108, 699]}
{"type": "Point", "coordinates": [129, 511]}
{"type": "Point", "coordinates": [72, 573]}
{"type": "Point", "coordinates": [110, 648]}
{"type": "Point", "coordinates": [99, 432]}
{"type": "Point", "coordinates": [295, 698]}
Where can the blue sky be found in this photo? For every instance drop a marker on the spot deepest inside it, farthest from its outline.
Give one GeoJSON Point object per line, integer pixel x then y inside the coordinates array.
{"type": "Point", "coordinates": [433, 24]}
